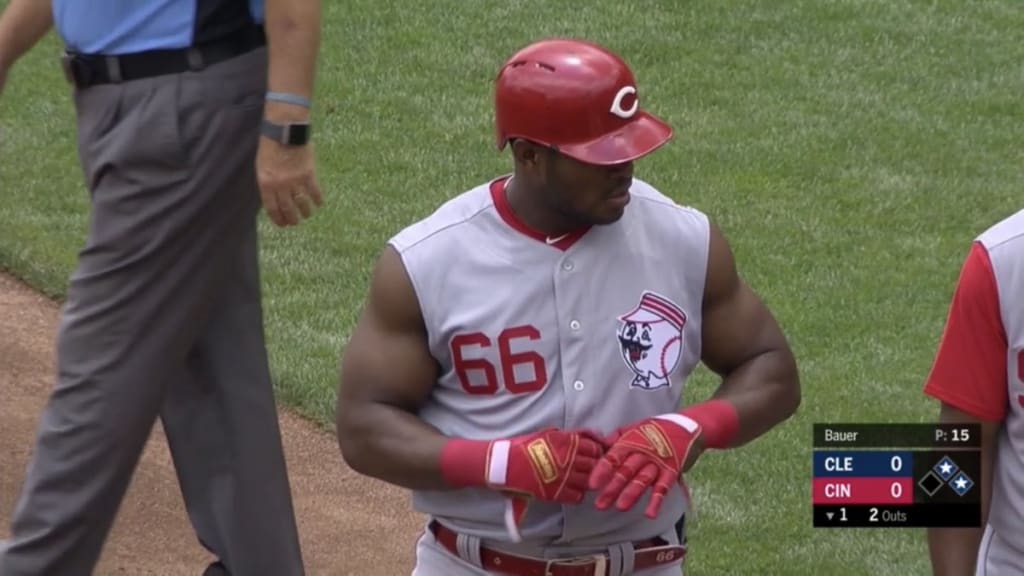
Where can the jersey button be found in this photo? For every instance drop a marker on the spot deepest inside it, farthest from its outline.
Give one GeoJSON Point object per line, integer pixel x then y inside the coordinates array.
{"type": "Point", "coordinates": [575, 324]}
{"type": "Point", "coordinates": [568, 265]}
{"type": "Point", "coordinates": [578, 385]}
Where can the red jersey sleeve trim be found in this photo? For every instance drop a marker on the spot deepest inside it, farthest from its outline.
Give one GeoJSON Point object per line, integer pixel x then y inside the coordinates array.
{"type": "Point", "coordinates": [969, 370]}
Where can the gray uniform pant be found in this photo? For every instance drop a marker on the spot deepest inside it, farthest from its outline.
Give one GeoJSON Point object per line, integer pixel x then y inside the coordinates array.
{"type": "Point", "coordinates": [163, 318]}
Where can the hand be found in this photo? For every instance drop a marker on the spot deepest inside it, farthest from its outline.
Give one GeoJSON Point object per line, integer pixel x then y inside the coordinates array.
{"type": "Point", "coordinates": [551, 465]}
{"type": "Point", "coordinates": [287, 181]}
{"type": "Point", "coordinates": [654, 452]}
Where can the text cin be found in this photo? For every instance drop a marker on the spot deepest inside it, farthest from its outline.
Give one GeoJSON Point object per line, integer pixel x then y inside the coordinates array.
{"type": "Point", "coordinates": [838, 490]}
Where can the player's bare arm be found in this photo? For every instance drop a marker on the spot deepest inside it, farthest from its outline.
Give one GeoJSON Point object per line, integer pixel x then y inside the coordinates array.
{"type": "Point", "coordinates": [954, 551]}
{"type": "Point", "coordinates": [743, 343]}
{"type": "Point", "coordinates": [387, 373]}
{"type": "Point", "coordinates": [760, 388]}
{"type": "Point", "coordinates": [22, 25]}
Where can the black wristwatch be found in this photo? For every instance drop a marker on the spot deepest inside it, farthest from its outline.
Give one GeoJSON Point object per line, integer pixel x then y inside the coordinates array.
{"type": "Point", "coordinates": [291, 134]}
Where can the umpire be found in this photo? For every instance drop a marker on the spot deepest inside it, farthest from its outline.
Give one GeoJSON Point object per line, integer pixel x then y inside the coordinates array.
{"type": "Point", "coordinates": [189, 111]}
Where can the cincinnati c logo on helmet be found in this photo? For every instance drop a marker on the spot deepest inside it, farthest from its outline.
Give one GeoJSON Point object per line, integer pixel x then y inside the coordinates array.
{"type": "Point", "coordinates": [651, 340]}
{"type": "Point", "coordinates": [617, 108]}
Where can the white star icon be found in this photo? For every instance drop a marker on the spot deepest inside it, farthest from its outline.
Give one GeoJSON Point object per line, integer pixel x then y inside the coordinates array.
{"type": "Point", "coordinates": [961, 483]}
{"type": "Point", "coordinates": [946, 468]}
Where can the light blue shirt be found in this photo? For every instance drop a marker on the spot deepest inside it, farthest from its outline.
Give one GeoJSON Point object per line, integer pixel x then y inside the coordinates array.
{"type": "Point", "coordinates": [125, 26]}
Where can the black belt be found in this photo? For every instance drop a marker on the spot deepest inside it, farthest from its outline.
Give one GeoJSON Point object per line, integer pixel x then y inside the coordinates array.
{"type": "Point", "coordinates": [84, 70]}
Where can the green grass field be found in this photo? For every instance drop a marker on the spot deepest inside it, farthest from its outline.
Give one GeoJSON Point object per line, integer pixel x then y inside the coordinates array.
{"type": "Point", "coordinates": [849, 149]}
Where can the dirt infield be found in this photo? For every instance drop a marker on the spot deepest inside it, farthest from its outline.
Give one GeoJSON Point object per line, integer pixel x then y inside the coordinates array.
{"type": "Point", "coordinates": [349, 525]}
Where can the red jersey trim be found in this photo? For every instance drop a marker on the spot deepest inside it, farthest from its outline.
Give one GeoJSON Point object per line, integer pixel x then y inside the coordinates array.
{"type": "Point", "coordinates": [510, 218]}
{"type": "Point", "coordinates": [969, 371]}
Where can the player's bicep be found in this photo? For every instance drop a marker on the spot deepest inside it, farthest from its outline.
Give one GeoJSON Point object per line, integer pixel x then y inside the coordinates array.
{"type": "Point", "coordinates": [736, 325]}
{"type": "Point", "coordinates": [387, 359]}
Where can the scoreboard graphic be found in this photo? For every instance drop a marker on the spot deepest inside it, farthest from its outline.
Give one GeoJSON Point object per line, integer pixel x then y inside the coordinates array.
{"type": "Point", "coordinates": [897, 475]}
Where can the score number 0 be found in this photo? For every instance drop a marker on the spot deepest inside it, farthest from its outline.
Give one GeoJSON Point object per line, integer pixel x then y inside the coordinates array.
{"type": "Point", "coordinates": [895, 490]}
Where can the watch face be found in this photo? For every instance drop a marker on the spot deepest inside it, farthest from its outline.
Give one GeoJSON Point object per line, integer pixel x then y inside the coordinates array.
{"type": "Point", "coordinates": [298, 134]}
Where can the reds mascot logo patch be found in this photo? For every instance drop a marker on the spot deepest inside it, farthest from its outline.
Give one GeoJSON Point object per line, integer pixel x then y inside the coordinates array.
{"type": "Point", "coordinates": [651, 340]}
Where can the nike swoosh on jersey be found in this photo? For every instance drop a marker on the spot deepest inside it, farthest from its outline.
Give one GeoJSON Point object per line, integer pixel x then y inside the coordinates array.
{"type": "Point", "coordinates": [555, 240]}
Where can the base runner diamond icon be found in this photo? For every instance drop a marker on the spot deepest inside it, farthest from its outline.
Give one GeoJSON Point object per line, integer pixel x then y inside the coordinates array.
{"type": "Point", "coordinates": [961, 484]}
{"type": "Point", "coordinates": [930, 483]}
{"type": "Point", "coordinates": [946, 468]}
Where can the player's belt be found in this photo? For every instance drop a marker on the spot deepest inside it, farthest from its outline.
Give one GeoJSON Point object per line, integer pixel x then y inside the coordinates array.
{"type": "Point", "coordinates": [647, 554]}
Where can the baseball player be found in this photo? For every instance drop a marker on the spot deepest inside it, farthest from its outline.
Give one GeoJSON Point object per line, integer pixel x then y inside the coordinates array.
{"type": "Point", "coordinates": [523, 351]}
{"type": "Point", "coordinates": [978, 376]}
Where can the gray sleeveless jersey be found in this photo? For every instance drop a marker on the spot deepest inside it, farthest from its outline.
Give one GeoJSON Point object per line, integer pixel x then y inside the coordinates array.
{"type": "Point", "coordinates": [1004, 243]}
{"type": "Point", "coordinates": [597, 332]}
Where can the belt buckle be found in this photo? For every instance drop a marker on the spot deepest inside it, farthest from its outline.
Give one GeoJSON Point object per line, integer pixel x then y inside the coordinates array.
{"type": "Point", "coordinates": [599, 561]}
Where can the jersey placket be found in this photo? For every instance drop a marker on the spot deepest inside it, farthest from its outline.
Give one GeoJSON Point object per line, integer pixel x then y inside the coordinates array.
{"type": "Point", "coordinates": [570, 283]}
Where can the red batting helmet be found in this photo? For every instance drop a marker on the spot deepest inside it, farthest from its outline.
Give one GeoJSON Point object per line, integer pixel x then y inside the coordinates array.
{"type": "Point", "coordinates": [577, 97]}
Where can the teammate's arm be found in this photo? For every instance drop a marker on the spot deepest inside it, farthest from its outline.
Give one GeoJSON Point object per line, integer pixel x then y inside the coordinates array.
{"type": "Point", "coordinates": [744, 345]}
{"type": "Point", "coordinates": [968, 377]}
{"type": "Point", "coordinates": [954, 551]}
{"type": "Point", "coordinates": [387, 373]}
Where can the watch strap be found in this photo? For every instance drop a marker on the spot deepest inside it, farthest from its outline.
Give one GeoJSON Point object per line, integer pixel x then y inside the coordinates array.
{"type": "Point", "coordinates": [291, 134]}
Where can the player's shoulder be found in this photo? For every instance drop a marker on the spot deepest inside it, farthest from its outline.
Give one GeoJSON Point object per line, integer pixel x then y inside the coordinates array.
{"type": "Point", "coordinates": [654, 203]}
{"type": "Point", "coordinates": [458, 211]}
{"type": "Point", "coordinates": [1005, 236]}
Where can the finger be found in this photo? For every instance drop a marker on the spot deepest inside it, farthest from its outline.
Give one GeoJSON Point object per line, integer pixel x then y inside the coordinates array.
{"type": "Point", "coordinates": [623, 476]}
{"type": "Point", "coordinates": [270, 203]}
{"type": "Point", "coordinates": [286, 205]}
{"type": "Point", "coordinates": [583, 465]}
{"type": "Point", "coordinates": [303, 203]}
{"type": "Point", "coordinates": [313, 188]}
{"type": "Point", "coordinates": [601, 473]}
{"type": "Point", "coordinates": [610, 492]}
{"type": "Point", "coordinates": [579, 479]}
{"type": "Point", "coordinates": [607, 497]}
{"type": "Point", "coordinates": [605, 467]}
{"type": "Point", "coordinates": [654, 505]}
{"type": "Point", "coordinates": [661, 487]}
{"type": "Point", "coordinates": [636, 488]}
{"type": "Point", "coordinates": [590, 449]}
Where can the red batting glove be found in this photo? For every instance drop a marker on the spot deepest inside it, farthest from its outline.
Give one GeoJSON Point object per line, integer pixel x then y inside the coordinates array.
{"type": "Point", "coordinates": [551, 465]}
{"type": "Point", "coordinates": [649, 453]}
